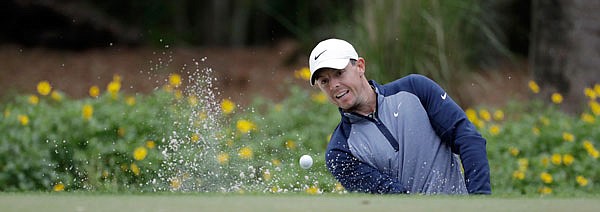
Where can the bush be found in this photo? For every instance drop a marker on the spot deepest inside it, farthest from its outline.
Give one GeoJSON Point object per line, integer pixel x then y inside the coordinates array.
{"type": "Point", "coordinates": [538, 149]}
{"type": "Point", "coordinates": [186, 140]}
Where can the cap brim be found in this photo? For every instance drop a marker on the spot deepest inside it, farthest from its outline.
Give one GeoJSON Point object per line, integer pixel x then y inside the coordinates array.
{"type": "Point", "coordinates": [331, 63]}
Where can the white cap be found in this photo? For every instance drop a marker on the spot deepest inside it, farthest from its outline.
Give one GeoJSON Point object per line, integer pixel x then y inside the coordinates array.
{"type": "Point", "coordinates": [331, 53]}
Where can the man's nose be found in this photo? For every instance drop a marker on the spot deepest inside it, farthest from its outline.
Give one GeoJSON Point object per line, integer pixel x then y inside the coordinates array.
{"type": "Point", "coordinates": [334, 82]}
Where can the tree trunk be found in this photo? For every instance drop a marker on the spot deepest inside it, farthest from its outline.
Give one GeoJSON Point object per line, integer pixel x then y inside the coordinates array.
{"type": "Point", "coordinates": [565, 49]}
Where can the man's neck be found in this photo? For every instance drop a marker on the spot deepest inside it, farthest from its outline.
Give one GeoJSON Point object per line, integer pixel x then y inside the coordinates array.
{"type": "Point", "coordinates": [370, 104]}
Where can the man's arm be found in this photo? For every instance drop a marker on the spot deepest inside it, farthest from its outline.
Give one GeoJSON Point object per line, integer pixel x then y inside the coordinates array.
{"type": "Point", "coordinates": [451, 124]}
{"type": "Point", "coordinates": [357, 176]}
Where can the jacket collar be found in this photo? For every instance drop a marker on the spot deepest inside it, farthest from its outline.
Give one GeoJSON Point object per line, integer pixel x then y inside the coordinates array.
{"type": "Point", "coordinates": [352, 117]}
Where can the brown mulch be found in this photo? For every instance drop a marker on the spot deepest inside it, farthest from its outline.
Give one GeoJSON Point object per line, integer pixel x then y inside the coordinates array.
{"type": "Point", "coordinates": [241, 73]}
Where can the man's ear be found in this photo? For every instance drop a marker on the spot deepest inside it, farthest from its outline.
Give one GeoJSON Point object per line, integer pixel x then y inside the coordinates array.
{"type": "Point", "coordinates": [360, 62]}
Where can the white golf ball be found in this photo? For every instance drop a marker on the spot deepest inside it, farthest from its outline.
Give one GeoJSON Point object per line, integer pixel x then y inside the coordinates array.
{"type": "Point", "coordinates": [306, 161]}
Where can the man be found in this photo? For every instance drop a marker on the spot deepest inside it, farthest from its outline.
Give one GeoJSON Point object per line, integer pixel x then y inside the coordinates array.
{"type": "Point", "coordinates": [402, 137]}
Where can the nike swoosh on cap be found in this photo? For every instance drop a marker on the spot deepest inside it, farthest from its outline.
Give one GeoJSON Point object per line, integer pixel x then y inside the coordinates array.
{"type": "Point", "coordinates": [320, 54]}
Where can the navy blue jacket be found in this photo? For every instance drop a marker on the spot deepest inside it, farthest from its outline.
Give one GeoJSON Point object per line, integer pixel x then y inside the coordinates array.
{"type": "Point", "coordinates": [410, 145]}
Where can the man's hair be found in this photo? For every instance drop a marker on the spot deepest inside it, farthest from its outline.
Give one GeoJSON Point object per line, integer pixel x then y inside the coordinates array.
{"type": "Point", "coordinates": [353, 62]}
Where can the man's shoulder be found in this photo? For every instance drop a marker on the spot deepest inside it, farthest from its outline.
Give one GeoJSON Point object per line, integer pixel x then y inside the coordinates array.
{"type": "Point", "coordinates": [410, 83]}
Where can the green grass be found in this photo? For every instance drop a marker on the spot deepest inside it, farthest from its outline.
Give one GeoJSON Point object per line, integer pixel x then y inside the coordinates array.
{"type": "Point", "coordinates": [78, 201]}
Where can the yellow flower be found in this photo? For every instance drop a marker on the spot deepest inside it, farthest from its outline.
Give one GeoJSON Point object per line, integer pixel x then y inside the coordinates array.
{"type": "Point", "coordinates": [498, 115]}
{"type": "Point", "coordinates": [223, 158]}
{"type": "Point", "coordinates": [266, 175]}
{"type": "Point", "coordinates": [276, 162]}
{"type": "Point", "coordinates": [471, 115]}
{"type": "Point", "coordinates": [594, 153]}
{"type": "Point", "coordinates": [480, 124]}
{"type": "Point", "coordinates": [23, 119]}
{"type": "Point", "coordinates": [175, 183]}
{"type": "Point", "coordinates": [44, 88]}
{"type": "Point", "coordinates": [94, 91]}
{"type": "Point", "coordinates": [513, 151]}
{"type": "Point", "coordinates": [595, 107]}
{"type": "Point", "coordinates": [546, 178]}
{"type": "Point", "coordinates": [130, 100]}
{"type": "Point", "coordinates": [168, 88]}
{"type": "Point", "coordinates": [113, 88]}
{"type": "Point", "coordinates": [202, 116]}
{"type": "Point", "coordinates": [313, 190]}
{"type": "Point", "coordinates": [193, 100]}
{"type": "Point", "coordinates": [545, 161]}
{"type": "Point", "coordinates": [485, 114]}
{"type": "Point", "coordinates": [245, 126]}
{"type": "Point", "coordinates": [175, 80]}
{"type": "Point", "coordinates": [56, 96]}
{"type": "Point", "coordinates": [121, 131]}
{"type": "Point", "coordinates": [320, 98]}
{"type": "Point", "coordinates": [303, 73]}
{"type": "Point", "coordinates": [229, 143]}
{"type": "Point", "coordinates": [59, 187]}
{"type": "Point", "coordinates": [556, 159]}
{"type": "Point", "coordinates": [518, 174]}
{"type": "Point", "coordinates": [150, 144]}
{"type": "Point", "coordinates": [568, 137]}
{"type": "Point", "coordinates": [588, 118]}
{"type": "Point", "coordinates": [590, 93]}
{"type": "Point", "coordinates": [275, 189]}
{"type": "Point", "coordinates": [290, 145]}
{"type": "Point", "coordinates": [33, 99]}
{"type": "Point", "coordinates": [178, 94]}
{"type": "Point", "coordinates": [494, 129]}
{"type": "Point", "coordinates": [140, 153]}
{"type": "Point", "coordinates": [278, 107]}
{"type": "Point", "coordinates": [227, 106]}
{"type": "Point", "coordinates": [536, 131]}
{"type": "Point", "coordinates": [339, 187]}
{"type": "Point", "coordinates": [135, 169]}
{"type": "Point", "coordinates": [545, 190]}
{"type": "Point", "coordinates": [534, 86]}
{"type": "Point", "coordinates": [557, 98]}
{"type": "Point", "coordinates": [105, 174]}
{"type": "Point", "coordinates": [245, 153]}
{"type": "Point", "coordinates": [87, 112]}
{"type": "Point", "coordinates": [523, 164]}
{"type": "Point", "coordinates": [591, 150]}
{"type": "Point", "coordinates": [568, 159]}
{"type": "Point", "coordinates": [587, 145]}
{"type": "Point", "coordinates": [597, 89]}
{"type": "Point", "coordinates": [582, 181]}
{"type": "Point", "coordinates": [117, 78]}
{"type": "Point", "coordinates": [195, 138]}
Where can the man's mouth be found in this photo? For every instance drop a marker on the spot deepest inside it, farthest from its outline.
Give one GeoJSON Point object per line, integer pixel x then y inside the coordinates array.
{"type": "Point", "coordinates": [342, 94]}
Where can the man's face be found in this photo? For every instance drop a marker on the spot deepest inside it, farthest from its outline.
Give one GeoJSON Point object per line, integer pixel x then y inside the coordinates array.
{"type": "Point", "coordinates": [343, 87]}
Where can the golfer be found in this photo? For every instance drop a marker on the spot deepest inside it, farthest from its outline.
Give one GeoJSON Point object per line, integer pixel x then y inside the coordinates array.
{"type": "Point", "coordinates": [401, 137]}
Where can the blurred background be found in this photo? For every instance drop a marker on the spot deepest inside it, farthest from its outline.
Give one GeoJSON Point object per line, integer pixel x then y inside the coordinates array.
{"type": "Point", "coordinates": [482, 51]}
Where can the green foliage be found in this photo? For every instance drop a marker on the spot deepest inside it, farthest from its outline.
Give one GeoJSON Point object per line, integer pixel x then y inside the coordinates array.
{"type": "Point", "coordinates": [167, 141]}
{"type": "Point", "coordinates": [540, 150]}
{"type": "Point", "coordinates": [439, 39]}
{"type": "Point", "coordinates": [58, 145]}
